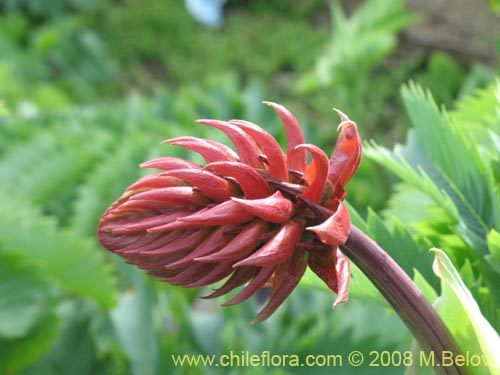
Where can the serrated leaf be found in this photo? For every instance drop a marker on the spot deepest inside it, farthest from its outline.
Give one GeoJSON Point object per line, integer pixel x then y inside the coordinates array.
{"type": "Point", "coordinates": [464, 175]}
{"type": "Point", "coordinates": [477, 113]}
{"type": "Point", "coordinates": [52, 162]}
{"type": "Point", "coordinates": [72, 261]}
{"type": "Point", "coordinates": [460, 312]}
{"type": "Point", "coordinates": [417, 178]}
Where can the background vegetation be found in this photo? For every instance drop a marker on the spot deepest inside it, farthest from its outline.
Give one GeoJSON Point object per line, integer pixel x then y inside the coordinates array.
{"type": "Point", "coordinates": [88, 89]}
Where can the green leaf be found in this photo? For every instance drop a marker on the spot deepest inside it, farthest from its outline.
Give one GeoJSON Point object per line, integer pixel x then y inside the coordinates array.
{"type": "Point", "coordinates": [76, 349]}
{"type": "Point", "coordinates": [493, 258]}
{"type": "Point", "coordinates": [53, 161]}
{"type": "Point", "coordinates": [25, 296]}
{"type": "Point", "coordinates": [461, 313]}
{"type": "Point", "coordinates": [133, 323]}
{"type": "Point", "coordinates": [494, 5]}
{"type": "Point", "coordinates": [416, 177]}
{"type": "Point", "coordinates": [72, 261]}
{"type": "Point", "coordinates": [18, 353]}
{"type": "Point", "coordinates": [477, 113]}
{"type": "Point", "coordinates": [359, 43]}
{"type": "Point", "coordinates": [444, 77]}
{"type": "Point", "coordinates": [455, 164]}
{"type": "Point", "coordinates": [107, 182]}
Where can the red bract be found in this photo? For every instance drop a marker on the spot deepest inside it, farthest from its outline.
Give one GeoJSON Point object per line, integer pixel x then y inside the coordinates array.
{"type": "Point", "coordinates": [256, 216]}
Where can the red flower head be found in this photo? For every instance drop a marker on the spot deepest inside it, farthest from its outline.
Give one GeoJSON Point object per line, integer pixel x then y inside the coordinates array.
{"type": "Point", "coordinates": [256, 215]}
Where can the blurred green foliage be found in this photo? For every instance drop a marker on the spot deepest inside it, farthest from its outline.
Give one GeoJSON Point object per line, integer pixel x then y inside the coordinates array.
{"type": "Point", "coordinates": [88, 89]}
{"type": "Point", "coordinates": [161, 38]}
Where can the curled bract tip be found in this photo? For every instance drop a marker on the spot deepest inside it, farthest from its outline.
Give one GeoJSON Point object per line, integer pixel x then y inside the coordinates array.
{"type": "Point", "coordinates": [343, 116]}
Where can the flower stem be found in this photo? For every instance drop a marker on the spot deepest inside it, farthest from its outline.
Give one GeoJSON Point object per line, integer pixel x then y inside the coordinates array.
{"type": "Point", "coordinates": [408, 301]}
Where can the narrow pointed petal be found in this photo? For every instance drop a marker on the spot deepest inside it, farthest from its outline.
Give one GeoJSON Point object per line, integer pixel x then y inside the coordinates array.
{"type": "Point", "coordinates": [154, 181]}
{"type": "Point", "coordinates": [169, 163]}
{"type": "Point", "coordinates": [183, 196]}
{"type": "Point", "coordinates": [277, 166]}
{"type": "Point", "coordinates": [215, 187]}
{"type": "Point", "coordinates": [141, 207]}
{"type": "Point", "coordinates": [315, 174]}
{"type": "Point", "coordinates": [286, 281]}
{"type": "Point", "coordinates": [294, 135]}
{"type": "Point", "coordinates": [188, 274]}
{"type": "Point", "coordinates": [239, 277]}
{"type": "Point", "coordinates": [334, 230]}
{"type": "Point", "coordinates": [142, 241]}
{"type": "Point", "coordinates": [251, 182]}
{"type": "Point", "coordinates": [183, 243]}
{"type": "Point", "coordinates": [324, 265]}
{"type": "Point", "coordinates": [158, 242]}
{"type": "Point", "coordinates": [225, 213]}
{"type": "Point", "coordinates": [274, 209]}
{"type": "Point", "coordinates": [240, 246]}
{"type": "Point", "coordinates": [247, 149]}
{"type": "Point", "coordinates": [346, 156]}
{"type": "Point", "coordinates": [161, 273]}
{"type": "Point", "coordinates": [209, 245]}
{"type": "Point", "coordinates": [278, 249]}
{"type": "Point", "coordinates": [219, 272]}
{"type": "Point", "coordinates": [210, 150]}
{"type": "Point", "coordinates": [143, 224]}
{"type": "Point", "coordinates": [114, 242]}
{"type": "Point", "coordinates": [253, 286]}
{"type": "Point", "coordinates": [154, 264]}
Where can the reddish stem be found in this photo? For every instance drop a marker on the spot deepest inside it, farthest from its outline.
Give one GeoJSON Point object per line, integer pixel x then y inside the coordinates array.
{"type": "Point", "coordinates": [404, 296]}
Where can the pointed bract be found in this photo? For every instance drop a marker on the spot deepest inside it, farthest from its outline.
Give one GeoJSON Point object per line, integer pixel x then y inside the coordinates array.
{"type": "Point", "coordinates": [273, 209]}
{"type": "Point", "coordinates": [334, 230]}
{"type": "Point", "coordinates": [247, 149]}
{"type": "Point", "coordinates": [294, 136]}
{"type": "Point", "coordinates": [254, 186]}
{"type": "Point", "coordinates": [210, 150]}
{"type": "Point", "coordinates": [277, 160]}
{"type": "Point", "coordinates": [278, 248]}
{"type": "Point", "coordinates": [346, 156]}
{"type": "Point", "coordinates": [243, 215]}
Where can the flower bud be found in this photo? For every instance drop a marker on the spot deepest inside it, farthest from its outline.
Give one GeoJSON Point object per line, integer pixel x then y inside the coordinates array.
{"type": "Point", "coordinates": [255, 216]}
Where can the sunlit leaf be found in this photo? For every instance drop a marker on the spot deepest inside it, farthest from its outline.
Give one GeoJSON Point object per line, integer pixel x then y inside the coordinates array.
{"type": "Point", "coordinates": [477, 113]}
{"type": "Point", "coordinates": [456, 166]}
{"type": "Point", "coordinates": [460, 312]}
{"type": "Point", "coordinates": [493, 257]}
